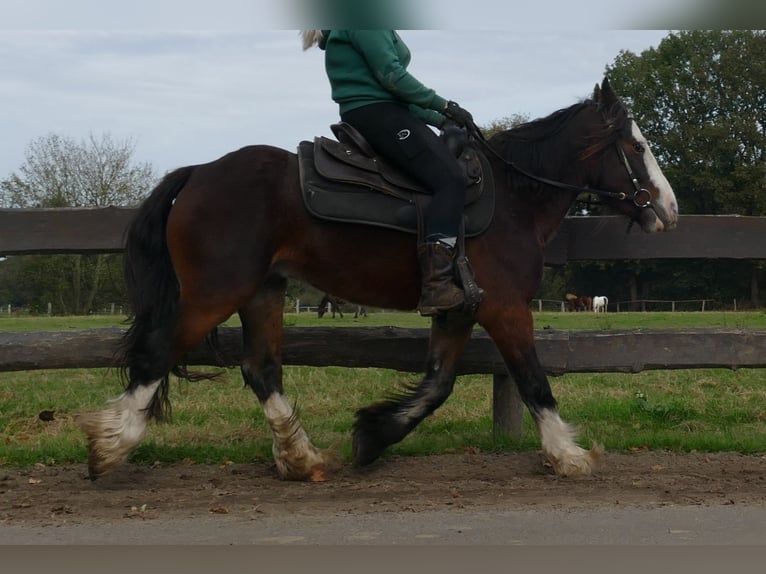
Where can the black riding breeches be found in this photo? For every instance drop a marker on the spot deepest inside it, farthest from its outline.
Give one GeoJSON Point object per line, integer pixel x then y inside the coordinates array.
{"type": "Point", "coordinates": [408, 143]}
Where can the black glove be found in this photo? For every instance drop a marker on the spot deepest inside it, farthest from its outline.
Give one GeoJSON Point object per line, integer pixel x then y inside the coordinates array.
{"type": "Point", "coordinates": [454, 136]}
{"type": "Point", "coordinates": [451, 127]}
{"type": "Point", "coordinates": [461, 117]}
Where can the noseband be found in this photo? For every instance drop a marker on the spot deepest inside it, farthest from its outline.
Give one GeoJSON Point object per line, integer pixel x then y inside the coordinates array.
{"type": "Point", "coordinates": [639, 191]}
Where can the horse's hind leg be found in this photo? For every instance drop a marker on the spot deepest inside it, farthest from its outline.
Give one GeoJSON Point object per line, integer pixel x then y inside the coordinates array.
{"type": "Point", "coordinates": [513, 334]}
{"type": "Point", "coordinates": [115, 431]}
{"type": "Point", "coordinates": [388, 422]}
{"type": "Point", "coordinates": [153, 351]}
{"type": "Point", "coordinates": [262, 330]}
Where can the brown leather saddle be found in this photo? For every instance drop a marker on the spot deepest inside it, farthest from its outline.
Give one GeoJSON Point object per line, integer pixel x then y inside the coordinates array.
{"type": "Point", "coordinates": [346, 181]}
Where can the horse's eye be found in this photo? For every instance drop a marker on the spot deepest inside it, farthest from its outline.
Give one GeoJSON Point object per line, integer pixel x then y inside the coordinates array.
{"type": "Point", "coordinates": [639, 147]}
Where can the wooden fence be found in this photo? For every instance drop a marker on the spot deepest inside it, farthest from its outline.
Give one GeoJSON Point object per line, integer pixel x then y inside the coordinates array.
{"type": "Point", "coordinates": [100, 230]}
{"type": "Point", "coordinates": [579, 238]}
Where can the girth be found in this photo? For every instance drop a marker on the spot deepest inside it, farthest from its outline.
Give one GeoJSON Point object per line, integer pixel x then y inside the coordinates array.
{"type": "Point", "coordinates": [345, 181]}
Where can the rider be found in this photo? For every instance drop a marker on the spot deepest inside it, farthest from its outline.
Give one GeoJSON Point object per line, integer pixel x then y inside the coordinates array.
{"type": "Point", "coordinates": [368, 77]}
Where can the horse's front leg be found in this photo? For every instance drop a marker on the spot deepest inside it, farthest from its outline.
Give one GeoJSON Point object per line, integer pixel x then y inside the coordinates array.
{"type": "Point", "coordinates": [295, 456]}
{"type": "Point", "coordinates": [389, 421]}
{"type": "Point", "coordinates": [512, 330]}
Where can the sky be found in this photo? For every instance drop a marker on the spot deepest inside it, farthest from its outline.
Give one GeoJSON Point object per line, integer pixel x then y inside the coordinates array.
{"type": "Point", "coordinates": [185, 97]}
{"type": "Point", "coordinates": [186, 85]}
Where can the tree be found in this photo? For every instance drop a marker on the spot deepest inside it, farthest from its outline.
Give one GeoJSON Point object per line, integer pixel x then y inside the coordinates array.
{"type": "Point", "coordinates": [60, 172]}
{"type": "Point", "coordinates": [700, 97]}
{"type": "Point", "coordinates": [503, 124]}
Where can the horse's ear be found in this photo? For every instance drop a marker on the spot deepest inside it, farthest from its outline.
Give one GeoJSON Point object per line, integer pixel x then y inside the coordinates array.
{"type": "Point", "coordinates": [608, 97]}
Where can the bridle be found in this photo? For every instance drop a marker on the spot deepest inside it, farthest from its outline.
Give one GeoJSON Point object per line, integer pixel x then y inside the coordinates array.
{"type": "Point", "coordinates": [641, 197]}
{"type": "Point", "coordinates": [639, 191]}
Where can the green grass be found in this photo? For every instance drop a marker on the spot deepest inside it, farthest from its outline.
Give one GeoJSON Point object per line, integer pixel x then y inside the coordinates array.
{"type": "Point", "coordinates": [653, 320]}
{"type": "Point", "coordinates": [215, 421]}
{"type": "Point", "coordinates": [553, 320]}
{"type": "Point", "coordinates": [27, 323]}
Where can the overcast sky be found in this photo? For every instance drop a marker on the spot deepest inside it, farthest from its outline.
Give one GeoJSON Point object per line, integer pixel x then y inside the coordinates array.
{"type": "Point", "coordinates": [190, 91]}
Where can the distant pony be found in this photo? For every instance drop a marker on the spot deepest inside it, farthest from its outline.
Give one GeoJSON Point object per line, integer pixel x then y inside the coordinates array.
{"type": "Point", "coordinates": [576, 303]}
{"type": "Point", "coordinates": [331, 304]}
{"type": "Point", "coordinates": [600, 303]}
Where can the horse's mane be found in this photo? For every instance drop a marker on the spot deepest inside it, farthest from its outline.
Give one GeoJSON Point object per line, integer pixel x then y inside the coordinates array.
{"type": "Point", "coordinates": [532, 144]}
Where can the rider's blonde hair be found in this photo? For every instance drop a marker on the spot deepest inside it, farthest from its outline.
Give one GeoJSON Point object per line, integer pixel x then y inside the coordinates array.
{"type": "Point", "coordinates": [311, 38]}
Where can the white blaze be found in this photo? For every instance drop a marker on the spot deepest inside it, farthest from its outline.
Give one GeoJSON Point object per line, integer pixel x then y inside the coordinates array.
{"type": "Point", "coordinates": [667, 206]}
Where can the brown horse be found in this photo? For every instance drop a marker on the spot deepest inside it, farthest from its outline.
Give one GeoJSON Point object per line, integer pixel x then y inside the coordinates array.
{"type": "Point", "coordinates": [583, 303]}
{"type": "Point", "coordinates": [222, 238]}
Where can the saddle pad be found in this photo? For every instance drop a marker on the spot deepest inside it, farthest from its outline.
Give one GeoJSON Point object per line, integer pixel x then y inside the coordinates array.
{"type": "Point", "coordinates": [362, 204]}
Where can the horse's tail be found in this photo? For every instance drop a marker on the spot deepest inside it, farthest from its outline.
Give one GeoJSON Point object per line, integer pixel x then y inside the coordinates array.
{"type": "Point", "coordinates": [153, 292]}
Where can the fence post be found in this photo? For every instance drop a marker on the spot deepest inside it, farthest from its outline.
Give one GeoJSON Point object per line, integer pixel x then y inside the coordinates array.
{"type": "Point", "coordinates": [50, 309]}
{"type": "Point", "coordinates": [507, 407]}
{"type": "Point", "coordinates": [672, 306]}
{"type": "Point", "coordinates": [703, 304]}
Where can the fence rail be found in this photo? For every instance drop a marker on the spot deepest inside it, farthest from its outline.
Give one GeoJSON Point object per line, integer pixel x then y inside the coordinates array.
{"type": "Point", "coordinates": [100, 230]}
{"type": "Point", "coordinates": [403, 350]}
{"type": "Point", "coordinates": [541, 305]}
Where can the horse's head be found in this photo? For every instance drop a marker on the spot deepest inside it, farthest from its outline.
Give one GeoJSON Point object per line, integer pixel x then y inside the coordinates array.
{"type": "Point", "coordinates": [322, 309]}
{"type": "Point", "coordinates": [642, 191]}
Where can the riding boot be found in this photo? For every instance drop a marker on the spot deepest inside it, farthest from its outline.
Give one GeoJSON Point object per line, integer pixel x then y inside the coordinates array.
{"type": "Point", "coordinates": [438, 291]}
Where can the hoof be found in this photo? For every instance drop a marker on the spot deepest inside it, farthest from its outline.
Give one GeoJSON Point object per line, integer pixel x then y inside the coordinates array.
{"type": "Point", "coordinates": [326, 470]}
{"type": "Point", "coordinates": [580, 463]}
{"type": "Point", "coordinates": [376, 428]}
{"type": "Point", "coordinates": [102, 455]}
{"type": "Point", "coordinates": [107, 446]}
{"type": "Point", "coordinates": [317, 466]}
{"type": "Point", "coordinates": [365, 451]}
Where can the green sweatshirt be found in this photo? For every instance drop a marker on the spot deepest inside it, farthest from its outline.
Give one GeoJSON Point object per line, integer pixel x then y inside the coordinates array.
{"type": "Point", "coordinates": [370, 66]}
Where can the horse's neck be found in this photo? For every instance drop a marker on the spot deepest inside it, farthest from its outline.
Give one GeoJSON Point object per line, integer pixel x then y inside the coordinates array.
{"type": "Point", "coordinates": [552, 214]}
{"type": "Point", "coordinates": [546, 208]}
{"type": "Point", "coordinates": [547, 205]}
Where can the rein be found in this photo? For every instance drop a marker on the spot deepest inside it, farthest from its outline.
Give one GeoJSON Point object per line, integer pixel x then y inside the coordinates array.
{"type": "Point", "coordinates": [620, 196]}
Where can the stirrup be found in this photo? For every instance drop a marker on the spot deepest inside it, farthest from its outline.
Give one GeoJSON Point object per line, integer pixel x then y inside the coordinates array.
{"type": "Point", "coordinates": [472, 292]}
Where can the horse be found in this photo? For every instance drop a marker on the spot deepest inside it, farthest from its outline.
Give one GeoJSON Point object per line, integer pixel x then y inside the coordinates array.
{"type": "Point", "coordinates": [223, 237]}
{"type": "Point", "coordinates": [329, 303]}
{"type": "Point", "coordinates": [578, 303]}
{"type": "Point", "coordinates": [600, 303]}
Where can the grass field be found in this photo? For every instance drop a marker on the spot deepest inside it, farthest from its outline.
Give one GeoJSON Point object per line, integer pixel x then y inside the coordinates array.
{"type": "Point", "coordinates": [215, 421]}
{"type": "Point", "coordinates": [555, 320]}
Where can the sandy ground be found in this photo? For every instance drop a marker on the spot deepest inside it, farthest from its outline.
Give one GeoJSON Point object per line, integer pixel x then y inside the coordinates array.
{"type": "Point", "coordinates": [62, 494]}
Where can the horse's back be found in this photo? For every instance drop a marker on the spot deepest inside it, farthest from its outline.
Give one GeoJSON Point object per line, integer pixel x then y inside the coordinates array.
{"type": "Point", "coordinates": [235, 203]}
{"type": "Point", "coordinates": [252, 177]}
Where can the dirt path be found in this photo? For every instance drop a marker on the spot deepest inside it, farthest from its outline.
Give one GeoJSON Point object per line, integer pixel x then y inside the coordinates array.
{"type": "Point", "coordinates": [59, 495]}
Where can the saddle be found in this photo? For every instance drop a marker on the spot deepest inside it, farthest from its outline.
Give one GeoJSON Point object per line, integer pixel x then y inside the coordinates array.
{"type": "Point", "coordinates": [346, 181]}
